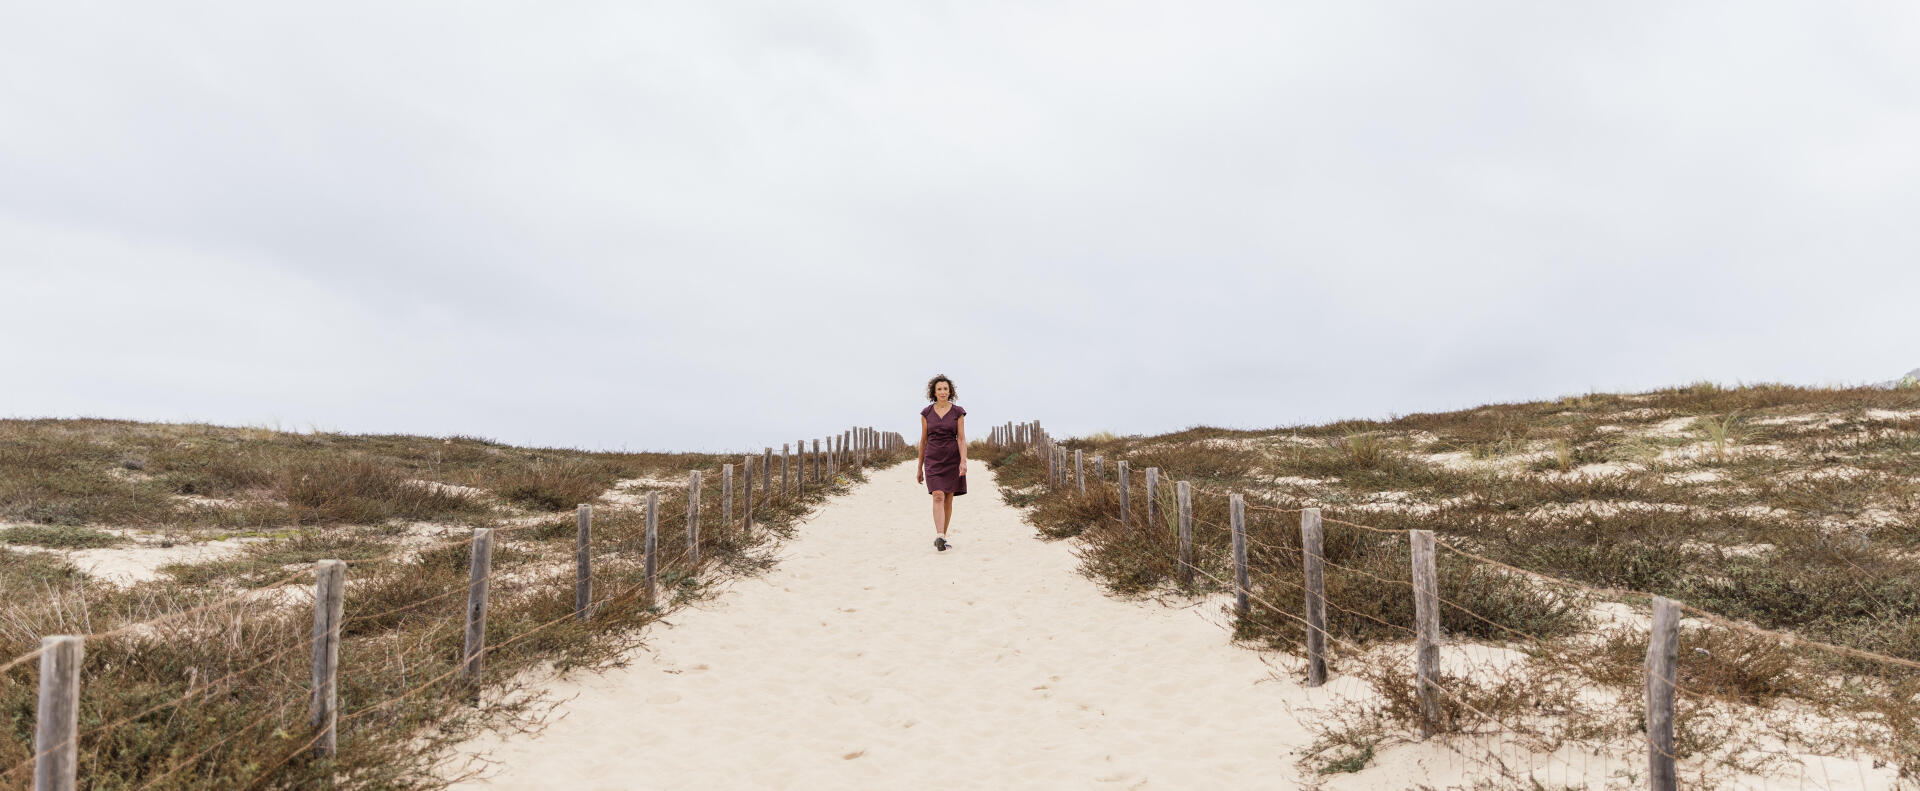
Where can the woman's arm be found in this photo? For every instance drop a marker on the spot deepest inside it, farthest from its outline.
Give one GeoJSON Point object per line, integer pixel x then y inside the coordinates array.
{"type": "Point", "coordinates": [920, 465]}
{"type": "Point", "coordinates": [963, 443]}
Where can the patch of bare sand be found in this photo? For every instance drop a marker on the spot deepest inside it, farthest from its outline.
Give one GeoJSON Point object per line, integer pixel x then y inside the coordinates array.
{"type": "Point", "coordinates": [141, 561]}
{"type": "Point", "coordinates": [1694, 476]}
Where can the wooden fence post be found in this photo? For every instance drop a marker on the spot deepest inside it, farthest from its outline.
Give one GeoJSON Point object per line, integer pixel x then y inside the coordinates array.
{"type": "Point", "coordinates": [1663, 656]}
{"type": "Point", "coordinates": [800, 468]}
{"type": "Point", "coordinates": [1079, 474]}
{"type": "Point", "coordinates": [329, 600]}
{"type": "Point", "coordinates": [1126, 486]}
{"type": "Point", "coordinates": [653, 548]}
{"type": "Point", "coordinates": [474, 659]}
{"type": "Point", "coordinates": [1242, 586]}
{"type": "Point", "coordinates": [1313, 563]}
{"type": "Point", "coordinates": [786, 469]}
{"type": "Point", "coordinates": [726, 496]}
{"type": "Point", "coordinates": [816, 461]}
{"type": "Point", "coordinates": [766, 474]}
{"type": "Point", "coordinates": [746, 497]}
{"type": "Point", "coordinates": [583, 561]}
{"type": "Point", "coordinates": [1099, 467]}
{"type": "Point", "coordinates": [56, 719]}
{"type": "Point", "coordinates": [1153, 497]}
{"type": "Point", "coordinates": [693, 519]}
{"type": "Point", "coordinates": [1184, 491]}
{"type": "Point", "coordinates": [1426, 621]}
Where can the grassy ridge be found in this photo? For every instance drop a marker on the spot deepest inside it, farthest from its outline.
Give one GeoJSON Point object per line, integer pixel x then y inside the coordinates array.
{"type": "Point", "coordinates": [217, 699]}
{"type": "Point", "coordinates": [1794, 509]}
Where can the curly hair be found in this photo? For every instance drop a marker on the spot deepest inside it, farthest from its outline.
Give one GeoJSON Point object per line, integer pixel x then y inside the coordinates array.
{"type": "Point", "coordinates": [952, 391]}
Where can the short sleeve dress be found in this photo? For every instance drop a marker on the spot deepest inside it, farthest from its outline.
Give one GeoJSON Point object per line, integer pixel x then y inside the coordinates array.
{"type": "Point", "coordinates": [943, 451]}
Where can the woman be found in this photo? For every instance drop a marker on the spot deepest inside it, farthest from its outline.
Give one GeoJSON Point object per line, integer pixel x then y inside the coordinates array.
{"type": "Point", "coordinates": [943, 454]}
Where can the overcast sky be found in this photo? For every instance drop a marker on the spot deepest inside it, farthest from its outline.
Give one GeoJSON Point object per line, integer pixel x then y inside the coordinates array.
{"type": "Point", "coordinates": [711, 225]}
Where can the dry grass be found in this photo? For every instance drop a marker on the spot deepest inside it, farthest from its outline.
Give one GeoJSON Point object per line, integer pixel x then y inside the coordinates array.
{"type": "Point", "coordinates": [1794, 509]}
{"type": "Point", "coordinates": [217, 699]}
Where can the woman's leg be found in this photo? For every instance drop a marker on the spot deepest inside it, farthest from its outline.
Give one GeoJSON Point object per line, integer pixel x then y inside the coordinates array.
{"type": "Point", "coordinates": [946, 519]}
{"type": "Point", "coordinates": [940, 510]}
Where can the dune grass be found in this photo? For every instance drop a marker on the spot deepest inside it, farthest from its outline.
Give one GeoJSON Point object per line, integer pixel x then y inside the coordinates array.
{"type": "Point", "coordinates": [217, 699]}
{"type": "Point", "coordinates": [1792, 509]}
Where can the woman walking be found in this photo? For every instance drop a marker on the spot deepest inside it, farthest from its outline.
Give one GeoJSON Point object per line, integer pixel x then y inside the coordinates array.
{"type": "Point", "coordinates": [943, 454]}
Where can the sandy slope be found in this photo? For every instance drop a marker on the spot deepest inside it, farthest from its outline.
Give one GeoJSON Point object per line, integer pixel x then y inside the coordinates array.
{"type": "Point", "coordinates": [868, 660]}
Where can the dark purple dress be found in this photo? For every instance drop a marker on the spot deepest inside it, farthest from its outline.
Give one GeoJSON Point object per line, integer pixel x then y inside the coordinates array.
{"type": "Point", "coordinates": [943, 451]}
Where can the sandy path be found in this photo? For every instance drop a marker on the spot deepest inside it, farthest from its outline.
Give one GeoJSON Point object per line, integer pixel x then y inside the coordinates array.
{"type": "Point", "coordinates": [868, 660]}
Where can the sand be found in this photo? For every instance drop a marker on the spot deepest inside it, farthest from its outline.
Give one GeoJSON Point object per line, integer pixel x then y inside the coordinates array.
{"type": "Point", "coordinates": [868, 660]}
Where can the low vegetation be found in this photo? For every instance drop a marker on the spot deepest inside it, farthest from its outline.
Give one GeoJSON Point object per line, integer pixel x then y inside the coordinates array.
{"type": "Point", "coordinates": [1784, 508]}
{"type": "Point", "coordinates": [196, 676]}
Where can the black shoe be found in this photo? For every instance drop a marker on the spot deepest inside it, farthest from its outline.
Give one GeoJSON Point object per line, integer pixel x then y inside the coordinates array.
{"type": "Point", "coordinates": [940, 543]}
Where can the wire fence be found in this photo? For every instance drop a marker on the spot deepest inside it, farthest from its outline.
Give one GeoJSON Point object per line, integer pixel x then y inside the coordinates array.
{"type": "Point", "coordinates": [1415, 642]}
{"type": "Point", "coordinates": [239, 690]}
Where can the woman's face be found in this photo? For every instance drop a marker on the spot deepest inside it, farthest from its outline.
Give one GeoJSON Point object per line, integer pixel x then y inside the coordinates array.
{"type": "Point", "coordinates": [942, 390]}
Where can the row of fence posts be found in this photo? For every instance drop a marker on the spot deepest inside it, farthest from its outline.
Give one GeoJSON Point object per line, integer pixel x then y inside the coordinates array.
{"type": "Point", "coordinates": [1663, 639]}
{"type": "Point", "coordinates": [56, 717]}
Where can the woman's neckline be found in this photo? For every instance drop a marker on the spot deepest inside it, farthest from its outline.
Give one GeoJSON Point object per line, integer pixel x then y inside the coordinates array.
{"type": "Point", "coordinates": [938, 413]}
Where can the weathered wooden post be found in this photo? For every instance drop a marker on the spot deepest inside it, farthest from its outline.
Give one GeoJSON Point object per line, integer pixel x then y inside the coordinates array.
{"type": "Point", "coordinates": [1153, 497]}
{"type": "Point", "coordinates": [1426, 621]}
{"type": "Point", "coordinates": [800, 468]}
{"type": "Point", "coordinates": [652, 547]}
{"type": "Point", "coordinates": [693, 519]}
{"type": "Point", "coordinates": [478, 571]}
{"type": "Point", "coordinates": [1313, 565]}
{"type": "Point", "coordinates": [1663, 657]}
{"type": "Point", "coordinates": [746, 497]}
{"type": "Point", "coordinates": [786, 468]}
{"type": "Point", "coordinates": [56, 718]}
{"type": "Point", "coordinates": [726, 496]}
{"type": "Point", "coordinates": [1079, 474]}
{"type": "Point", "coordinates": [329, 600]}
{"type": "Point", "coordinates": [583, 561]}
{"type": "Point", "coordinates": [1099, 467]}
{"type": "Point", "coordinates": [766, 474]}
{"type": "Point", "coordinates": [1126, 486]}
{"type": "Point", "coordinates": [816, 461]}
{"type": "Point", "coordinates": [1242, 586]}
{"type": "Point", "coordinates": [1184, 491]}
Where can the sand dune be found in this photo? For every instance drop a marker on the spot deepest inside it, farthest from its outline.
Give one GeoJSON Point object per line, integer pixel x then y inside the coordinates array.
{"type": "Point", "coordinates": [868, 660]}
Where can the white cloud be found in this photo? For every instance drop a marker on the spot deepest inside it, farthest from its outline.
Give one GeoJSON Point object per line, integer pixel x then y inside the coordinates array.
{"type": "Point", "coordinates": [711, 226]}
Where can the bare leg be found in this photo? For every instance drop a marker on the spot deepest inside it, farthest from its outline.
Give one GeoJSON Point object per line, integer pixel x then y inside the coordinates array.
{"type": "Point", "coordinates": [940, 510]}
{"type": "Point", "coordinates": [947, 519]}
